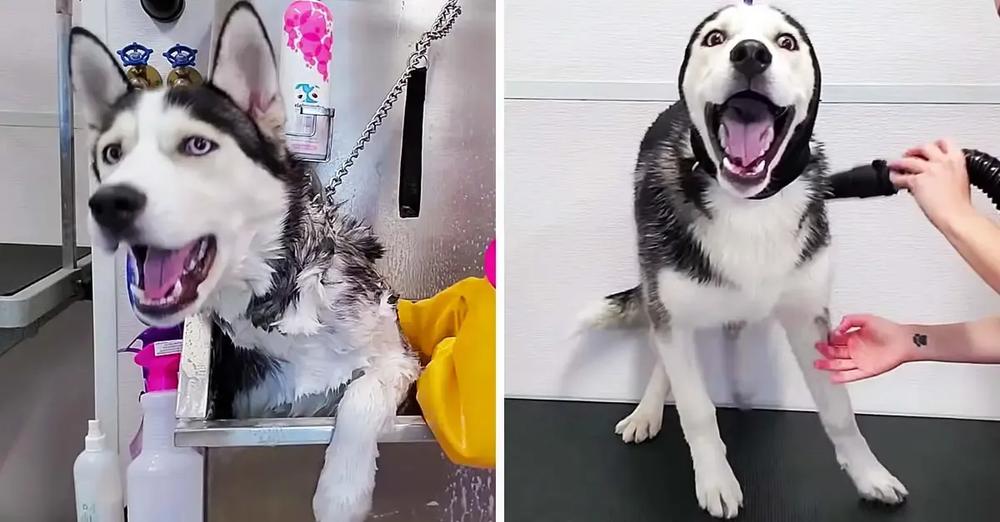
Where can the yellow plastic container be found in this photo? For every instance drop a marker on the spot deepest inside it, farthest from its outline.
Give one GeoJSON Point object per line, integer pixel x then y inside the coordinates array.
{"type": "Point", "coordinates": [455, 334]}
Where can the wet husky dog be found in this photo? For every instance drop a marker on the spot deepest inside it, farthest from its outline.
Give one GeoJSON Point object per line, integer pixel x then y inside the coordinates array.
{"type": "Point", "coordinates": [197, 182]}
{"type": "Point", "coordinates": [732, 228]}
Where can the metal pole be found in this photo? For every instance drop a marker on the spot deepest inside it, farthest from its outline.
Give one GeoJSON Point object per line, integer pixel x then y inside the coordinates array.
{"type": "Point", "coordinates": [67, 171]}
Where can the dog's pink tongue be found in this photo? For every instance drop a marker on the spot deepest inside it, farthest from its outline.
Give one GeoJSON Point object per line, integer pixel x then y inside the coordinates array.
{"type": "Point", "coordinates": [749, 131]}
{"type": "Point", "coordinates": [162, 269]}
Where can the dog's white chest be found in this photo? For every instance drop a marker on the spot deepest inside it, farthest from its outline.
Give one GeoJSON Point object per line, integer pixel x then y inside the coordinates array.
{"type": "Point", "coordinates": [754, 246]}
{"type": "Point", "coordinates": [315, 363]}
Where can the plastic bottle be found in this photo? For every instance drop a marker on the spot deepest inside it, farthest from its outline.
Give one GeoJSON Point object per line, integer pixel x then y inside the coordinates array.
{"type": "Point", "coordinates": [164, 481]}
{"type": "Point", "coordinates": [306, 54]}
{"type": "Point", "coordinates": [97, 481]}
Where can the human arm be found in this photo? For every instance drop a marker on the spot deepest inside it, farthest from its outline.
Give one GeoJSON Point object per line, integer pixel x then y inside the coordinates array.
{"type": "Point", "coordinates": [936, 176]}
{"type": "Point", "coordinates": [864, 346]}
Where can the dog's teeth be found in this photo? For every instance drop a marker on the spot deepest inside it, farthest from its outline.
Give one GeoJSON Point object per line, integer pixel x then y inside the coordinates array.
{"type": "Point", "coordinates": [728, 165]}
{"type": "Point", "coordinates": [177, 288]}
{"type": "Point", "coordinates": [723, 136]}
{"type": "Point", "coordinates": [758, 168]}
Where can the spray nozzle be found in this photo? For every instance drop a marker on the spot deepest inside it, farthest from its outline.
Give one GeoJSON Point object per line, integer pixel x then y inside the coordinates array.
{"type": "Point", "coordinates": [95, 437]}
{"type": "Point", "coordinates": [161, 370]}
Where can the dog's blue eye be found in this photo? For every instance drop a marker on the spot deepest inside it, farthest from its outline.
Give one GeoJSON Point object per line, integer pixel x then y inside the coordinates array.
{"type": "Point", "coordinates": [713, 38]}
{"type": "Point", "coordinates": [197, 146]}
{"type": "Point", "coordinates": [112, 153]}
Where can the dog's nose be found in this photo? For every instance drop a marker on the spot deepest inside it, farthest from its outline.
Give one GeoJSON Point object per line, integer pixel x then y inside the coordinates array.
{"type": "Point", "coordinates": [116, 207]}
{"type": "Point", "coordinates": [750, 57]}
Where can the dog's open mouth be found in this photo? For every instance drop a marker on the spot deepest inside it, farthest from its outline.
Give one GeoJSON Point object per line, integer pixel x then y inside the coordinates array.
{"type": "Point", "coordinates": [168, 279]}
{"type": "Point", "coordinates": [747, 131]}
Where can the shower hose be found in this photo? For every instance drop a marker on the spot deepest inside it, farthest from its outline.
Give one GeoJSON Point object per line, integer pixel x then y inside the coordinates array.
{"type": "Point", "coordinates": [873, 180]}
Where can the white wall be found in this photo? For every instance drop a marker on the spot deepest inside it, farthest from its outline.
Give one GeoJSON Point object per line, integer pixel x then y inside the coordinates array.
{"type": "Point", "coordinates": [583, 84]}
{"type": "Point", "coordinates": [29, 153]}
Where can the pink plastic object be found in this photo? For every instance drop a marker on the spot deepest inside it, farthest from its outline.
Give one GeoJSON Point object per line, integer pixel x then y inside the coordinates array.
{"type": "Point", "coordinates": [490, 263]}
{"type": "Point", "coordinates": [161, 371]}
{"type": "Point", "coordinates": [309, 29]}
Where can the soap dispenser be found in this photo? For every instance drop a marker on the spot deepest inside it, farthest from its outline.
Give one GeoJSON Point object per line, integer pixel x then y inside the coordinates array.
{"type": "Point", "coordinates": [305, 73]}
{"type": "Point", "coordinates": [181, 58]}
{"type": "Point", "coordinates": [140, 74]}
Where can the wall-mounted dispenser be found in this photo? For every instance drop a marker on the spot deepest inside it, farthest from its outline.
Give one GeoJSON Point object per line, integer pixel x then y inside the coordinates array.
{"type": "Point", "coordinates": [306, 52]}
{"type": "Point", "coordinates": [135, 58]}
{"type": "Point", "coordinates": [181, 58]}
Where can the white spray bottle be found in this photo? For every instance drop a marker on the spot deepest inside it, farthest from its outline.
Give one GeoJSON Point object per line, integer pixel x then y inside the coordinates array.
{"type": "Point", "coordinates": [97, 480]}
{"type": "Point", "coordinates": [306, 54]}
{"type": "Point", "coordinates": [164, 481]}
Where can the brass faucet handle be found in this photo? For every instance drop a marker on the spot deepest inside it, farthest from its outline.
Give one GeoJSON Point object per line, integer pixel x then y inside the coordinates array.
{"type": "Point", "coordinates": [182, 61]}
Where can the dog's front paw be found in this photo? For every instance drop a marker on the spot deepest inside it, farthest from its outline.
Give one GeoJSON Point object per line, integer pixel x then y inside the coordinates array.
{"type": "Point", "coordinates": [341, 503]}
{"type": "Point", "coordinates": [717, 489]}
{"type": "Point", "coordinates": [642, 424]}
{"type": "Point", "coordinates": [874, 482]}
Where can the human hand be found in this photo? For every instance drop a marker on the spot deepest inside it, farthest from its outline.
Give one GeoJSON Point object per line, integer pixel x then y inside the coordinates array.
{"type": "Point", "coordinates": [936, 177]}
{"type": "Point", "coordinates": [863, 346]}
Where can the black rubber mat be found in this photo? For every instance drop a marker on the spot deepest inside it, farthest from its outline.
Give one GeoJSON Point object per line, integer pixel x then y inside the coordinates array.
{"type": "Point", "coordinates": [564, 463]}
{"type": "Point", "coordinates": [22, 265]}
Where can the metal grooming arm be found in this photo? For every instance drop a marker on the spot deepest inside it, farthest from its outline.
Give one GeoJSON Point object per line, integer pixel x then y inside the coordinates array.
{"type": "Point", "coordinates": [195, 429]}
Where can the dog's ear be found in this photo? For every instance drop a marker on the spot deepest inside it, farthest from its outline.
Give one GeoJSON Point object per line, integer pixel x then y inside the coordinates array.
{"type": "Point", "coordinates": [97, 78]}
{"type": "Point", "coordinates": [245, 69]}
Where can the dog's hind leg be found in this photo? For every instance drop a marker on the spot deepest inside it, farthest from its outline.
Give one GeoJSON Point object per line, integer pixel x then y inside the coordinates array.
{"type": "Point", "coordinates": [344, 491]}
{"type": "Point", "coordinates": [716, 486]}
{"type": "Point", "coordinates": [645, 420]}
{"type": "Point", "coordinates": [833, 404]}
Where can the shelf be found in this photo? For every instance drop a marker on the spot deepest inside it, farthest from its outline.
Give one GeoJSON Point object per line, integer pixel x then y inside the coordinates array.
{"type": "Point", "coordinates": [285, 432]}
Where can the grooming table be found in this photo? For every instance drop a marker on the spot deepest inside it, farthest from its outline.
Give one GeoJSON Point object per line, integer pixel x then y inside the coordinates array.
{"type": "Point", "coordinates": [34, 286]}
{"type": "Point", "coordinates": [409, 427]}
{"type": "Point", "coordinates": [563, 462]}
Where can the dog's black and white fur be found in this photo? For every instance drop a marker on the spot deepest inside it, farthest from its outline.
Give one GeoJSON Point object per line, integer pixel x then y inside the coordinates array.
{"type": "Point", "coordinates": [732, 229]}
{"type": "Point", "coordinates": [196, 181]}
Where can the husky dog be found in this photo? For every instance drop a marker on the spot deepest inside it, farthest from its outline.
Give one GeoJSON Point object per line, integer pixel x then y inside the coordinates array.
{"type": "Point", "coordinates": [729, 193]}
{"type": "Point", "coordinates": [197, 182]}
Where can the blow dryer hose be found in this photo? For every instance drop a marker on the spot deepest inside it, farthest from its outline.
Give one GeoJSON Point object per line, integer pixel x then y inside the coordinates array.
{"type": "Point", "coordinates": [873, 180]}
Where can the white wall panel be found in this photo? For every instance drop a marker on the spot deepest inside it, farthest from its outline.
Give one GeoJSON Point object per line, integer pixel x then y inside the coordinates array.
{"type": "Point", "coordinates": [858, 41]}
{"type": "Point", "coordinates": [570, 240]}
{"type": "Point", "coordinates": [29, 186]}
{"type": "Point", "coordinates": [28, 59]}
{"type": "Point", "coordinates": [29, 153]}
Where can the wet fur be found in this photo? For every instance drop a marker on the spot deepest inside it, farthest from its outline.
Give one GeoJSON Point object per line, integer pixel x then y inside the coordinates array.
{"type": "Point", "coordinates": [303, 323]}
